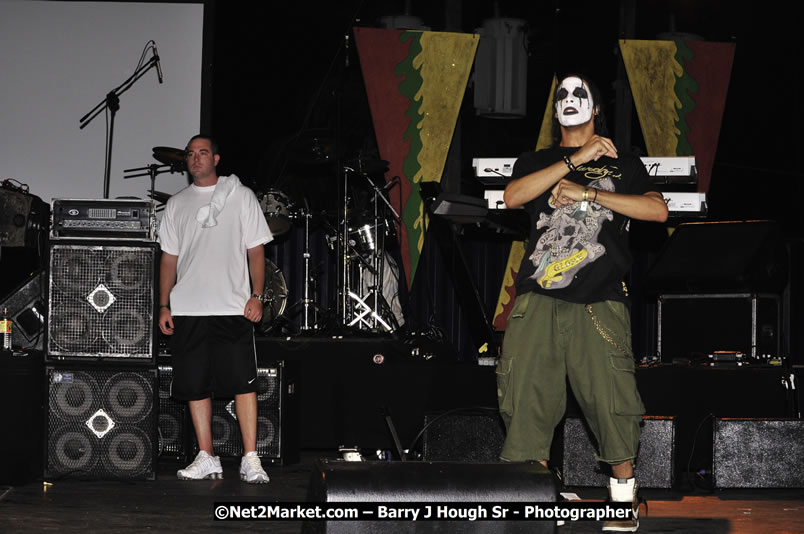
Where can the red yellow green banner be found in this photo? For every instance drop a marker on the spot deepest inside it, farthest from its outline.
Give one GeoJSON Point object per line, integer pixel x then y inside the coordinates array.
{"type": "Point", "coordinates": [679, 90]}
{"type": "Point", "coordinates": [415, 82]}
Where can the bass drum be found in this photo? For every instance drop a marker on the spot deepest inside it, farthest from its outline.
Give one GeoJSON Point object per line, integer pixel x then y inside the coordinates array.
{"type": "Point", "coordinates": [276, 294]}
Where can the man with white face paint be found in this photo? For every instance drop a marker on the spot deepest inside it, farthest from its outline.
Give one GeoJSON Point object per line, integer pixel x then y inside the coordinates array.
{"type": "Point", "coordinates": [571, 318]}
{"type": "Point", "coordinates": [574, 105]}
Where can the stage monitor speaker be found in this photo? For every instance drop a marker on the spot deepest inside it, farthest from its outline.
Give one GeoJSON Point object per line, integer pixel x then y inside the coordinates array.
{"type": "Point", "coordinates": [27, 310]}
{"type": "Point", "coordinates": [174, 421]}
{"type": "Point", "coordinates": [22, 398]}
{"type": "Point", "coordinates": [23, 218]}
{"type": "Point", "coordinates": [471, 436]}
{"type": "Point", "coordinates": [101, 422]}
{"type": "Point", "coordinates": [655, 464]}
{"type": "Point", "coordinates": [102, 299]}
{"type": "Point", "coordinates": [277, 418]}
{"type": "Point", "coordinates": [721, 257]}
{"type": "Point", "coordinates": [379, 482]}
{"type": "Point", "coordinates": [758, 453]}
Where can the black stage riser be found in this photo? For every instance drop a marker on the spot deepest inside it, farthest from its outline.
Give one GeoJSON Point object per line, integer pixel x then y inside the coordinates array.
{"type": "Point", "coordinates": [22, 398]}
{"type": "Point", "coordinates": [102, 301]}
{"type": "Point", "coordinates": [347, 386]}
{"type": "Point", "coordinates": [101, 422]}
{"type": "Point", "coordinates": [758, 453]}
{"type": "Point", "coordinates": [655, 466]}
{"type": "Point", "coordinates": [374, 482]}
{"type": "Point", "coordinates": [277, 418]}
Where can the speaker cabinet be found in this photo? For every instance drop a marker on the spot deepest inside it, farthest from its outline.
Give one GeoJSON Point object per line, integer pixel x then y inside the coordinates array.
{"type": "Point", "coordinates": [174, 421]}
{"type": "Point", "coordinates": [758, 453]}
{"type": "Point", "coordinates": [101, 422]}
{"type": "Point", "coordinates": [463, 436]}
{"type": "Point", "coordinates": [27, 310]}
{"type": "Point", "coordinates": [655, 465]}
{"type": "Point", "coordinates": [101, 301]}
{"type": "Point", "coordinates": [427, 482]}
{"type": "Point", "coordinates": [277, 418]}
{"type": "Point", "coordinates": [23, 218]}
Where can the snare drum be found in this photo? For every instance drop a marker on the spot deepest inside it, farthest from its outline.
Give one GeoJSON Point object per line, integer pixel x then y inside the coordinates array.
{"type": "Point", "coordinates": [276, 206]}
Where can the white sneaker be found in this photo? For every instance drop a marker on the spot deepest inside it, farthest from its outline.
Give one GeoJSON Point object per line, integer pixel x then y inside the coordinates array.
{"type": "Point", "coordinates": [624, 490]}
{"type": "Point", "coordinates": [204, 466]}
{"type": "Point", "coordinates": [251, 470]}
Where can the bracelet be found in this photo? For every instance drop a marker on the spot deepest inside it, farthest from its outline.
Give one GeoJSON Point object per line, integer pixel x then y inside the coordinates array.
{"type": "Point", "coordinates": [569, 164]}
{"type": "Point", "coordinates": [261, 298]}
{"type": "Point", "coordinates": [164, 306]}
{"type": "Point", "coordinates": [585, 195]}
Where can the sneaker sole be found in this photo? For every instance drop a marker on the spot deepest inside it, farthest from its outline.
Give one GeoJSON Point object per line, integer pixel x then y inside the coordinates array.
{"type": "Point", "coordinates": [211, 476]}
{"type": "Point", "coordinates": [243, 478]}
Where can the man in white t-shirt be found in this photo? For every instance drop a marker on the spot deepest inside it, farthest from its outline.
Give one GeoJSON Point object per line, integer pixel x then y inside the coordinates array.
{"type": "Point", "coordinates": [212, 235]}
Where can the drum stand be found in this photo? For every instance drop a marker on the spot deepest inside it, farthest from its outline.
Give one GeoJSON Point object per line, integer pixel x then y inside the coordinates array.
{"type": "Point", "coordinates": [366, 310]}
{"type": "Point", "coordinates": [309, 309]}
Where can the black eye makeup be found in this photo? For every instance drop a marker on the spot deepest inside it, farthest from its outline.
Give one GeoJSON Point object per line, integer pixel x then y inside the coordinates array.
{"type": "Point", "coordinates": [580, 92]}
{"type": "Point", "coordinates": [562, 94]}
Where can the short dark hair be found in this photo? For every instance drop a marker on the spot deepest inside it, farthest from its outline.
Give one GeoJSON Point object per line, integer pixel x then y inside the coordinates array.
{"type": "Point", "coordinates": [212, 143]}
{"type": "Point", "coordinates": [600, 117]}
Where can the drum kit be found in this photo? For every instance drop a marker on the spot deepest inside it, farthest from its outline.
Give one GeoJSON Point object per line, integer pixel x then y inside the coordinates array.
{"type": "Point", "coordinates": [359, 237]}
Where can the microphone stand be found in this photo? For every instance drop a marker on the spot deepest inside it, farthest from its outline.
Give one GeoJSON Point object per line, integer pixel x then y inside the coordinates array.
{"type": "Point", "coordinates": [112, 102]}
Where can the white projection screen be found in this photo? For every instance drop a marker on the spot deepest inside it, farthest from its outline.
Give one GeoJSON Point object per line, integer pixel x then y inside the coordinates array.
{"type": "Point", "coordinates": [60, 59]}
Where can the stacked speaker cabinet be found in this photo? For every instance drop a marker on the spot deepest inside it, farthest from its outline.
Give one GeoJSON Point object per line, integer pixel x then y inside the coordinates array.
{"type": "Point", "coordinates": [101, 422]}
{"type": "Point", "coordinates": [101, 381]}
{"type": "Point", "coordinates": [101, 301]}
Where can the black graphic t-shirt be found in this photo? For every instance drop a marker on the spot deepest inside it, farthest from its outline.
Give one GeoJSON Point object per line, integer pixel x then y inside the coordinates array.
{"type": "Point", "coordinates": [579, 252]}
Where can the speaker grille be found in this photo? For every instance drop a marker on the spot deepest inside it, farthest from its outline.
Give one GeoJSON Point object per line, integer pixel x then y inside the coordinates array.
{"type": "Point", "coordinates": [101, 301]}
{"type": "Point", "coordinates": [101, 423]}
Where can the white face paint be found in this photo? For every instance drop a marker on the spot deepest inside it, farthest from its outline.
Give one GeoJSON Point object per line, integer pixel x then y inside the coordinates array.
{"type": "Point", "coordinates": [574, 103]}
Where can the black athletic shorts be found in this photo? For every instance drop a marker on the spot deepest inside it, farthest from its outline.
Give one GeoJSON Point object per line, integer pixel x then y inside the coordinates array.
{"type": "Point", "coordinates": [212, 356]}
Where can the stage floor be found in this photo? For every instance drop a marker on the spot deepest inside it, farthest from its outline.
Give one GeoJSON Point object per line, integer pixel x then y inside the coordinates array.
{"type": "Point", "coordinates": [171, 505]}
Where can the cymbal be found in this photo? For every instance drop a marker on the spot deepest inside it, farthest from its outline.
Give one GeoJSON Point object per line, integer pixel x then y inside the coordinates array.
{"type": "Point", "coordinates": [168, 155]}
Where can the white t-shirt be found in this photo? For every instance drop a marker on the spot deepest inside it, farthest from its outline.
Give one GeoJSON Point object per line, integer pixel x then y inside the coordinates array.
{"type": "Point", "coordinates": [212, 276]}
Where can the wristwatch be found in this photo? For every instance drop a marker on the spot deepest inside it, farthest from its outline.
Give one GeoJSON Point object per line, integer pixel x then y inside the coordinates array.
{"type": "Point", "coordinates": [261, 298]}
